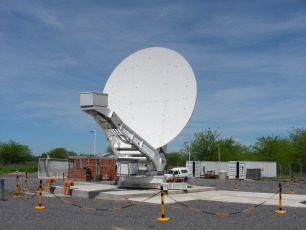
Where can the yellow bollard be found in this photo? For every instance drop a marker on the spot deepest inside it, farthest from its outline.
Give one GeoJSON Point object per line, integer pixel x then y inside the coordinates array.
{"type": "Point", "coordinates": [292, 186]}
{"type": "Point", "coordinates": [280, 211]}
{"type": "Point", "coordinates": [236, 188]}
{"type": "Point", "coordinates": [25, 182]}
{"type": "Point", "coordinates": [17, 188]}
{"type": "Point", "coordinates": [39, 205]}
{"type": "Point", "coordinates": [162, 219]}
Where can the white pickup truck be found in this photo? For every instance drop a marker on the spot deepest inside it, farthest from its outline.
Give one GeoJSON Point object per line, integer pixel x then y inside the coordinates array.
{"type": "Point", "coordinates": [179, 172]}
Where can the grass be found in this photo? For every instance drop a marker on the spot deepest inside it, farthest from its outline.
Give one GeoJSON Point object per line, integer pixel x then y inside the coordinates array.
{"type": "Point", "coordinates": [28, 167]}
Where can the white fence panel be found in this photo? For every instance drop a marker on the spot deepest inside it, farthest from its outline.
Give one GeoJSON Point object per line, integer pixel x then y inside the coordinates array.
{"type": "Point", "coordinates": [51, 167]}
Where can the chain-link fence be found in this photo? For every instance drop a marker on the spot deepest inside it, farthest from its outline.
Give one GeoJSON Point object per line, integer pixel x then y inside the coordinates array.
{"type": "Point", "coordinates": [287, 170]}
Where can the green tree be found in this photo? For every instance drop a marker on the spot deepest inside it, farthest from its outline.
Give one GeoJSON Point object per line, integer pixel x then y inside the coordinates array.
{"type": "Point", "coordinates": [15, 152]}
{"type": "Point", "coordinates": [175, 159]}
{"type": "Point", "coordinates": [207, 144]}
{"type": "Point", "coordinates": [61, 153]}
{"type": "Point", "coordinates": [273, 148]}
{"type": "Point", "coordinates": [230, 149]}
{"type": "Point", "coordinates": [298, 139]}
{"type": "Point", "coordinates": [266, 148]}
{"type": "Point", "coordinates": [108, 149]}
{"type": "Point", "coordinates": [204, 146]}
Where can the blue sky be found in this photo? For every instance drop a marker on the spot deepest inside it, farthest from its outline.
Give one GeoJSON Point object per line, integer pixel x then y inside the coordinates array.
{"type": "Point", "coordinates": [249, 59]}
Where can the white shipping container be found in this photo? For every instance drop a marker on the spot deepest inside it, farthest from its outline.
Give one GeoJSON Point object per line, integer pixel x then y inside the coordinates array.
{"type": "Point", "coordinates": [235, 168]}
{"type": "Point", "coordinates": [213, 166]}
{"type": "Point", "coordinates": [194, 167]}
{"type": "Point", "coordinates": [197, 171]}
{"type": "Point", "coordinates": [268, 169]}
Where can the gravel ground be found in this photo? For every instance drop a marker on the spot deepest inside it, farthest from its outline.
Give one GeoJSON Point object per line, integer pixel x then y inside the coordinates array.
{"type": "Point", "coordinates": [269, 186]}
{"type": "Point", "coordinates": [20, 213]}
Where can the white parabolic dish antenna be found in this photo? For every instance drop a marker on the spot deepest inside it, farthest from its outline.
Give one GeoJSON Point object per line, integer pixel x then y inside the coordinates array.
{"type": "Point", "coordinates": [154, 92]}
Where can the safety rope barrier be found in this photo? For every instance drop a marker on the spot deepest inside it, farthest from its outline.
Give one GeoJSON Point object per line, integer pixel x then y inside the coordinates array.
{"type": "Point", "coordinates": [221, 214]}
{"type": "Point", "coordinates": [242, 182]}
{"type": "Point", "coordinates": [227, 181]}
{"type": "Point", "coordinates": [159, 192]}
{"type": "Point", "coordinates": [105, 209]}
{"type": "Point", "coordinates": [98, 209]}
{"type": "Point", "coordinates": [298, 184]}
{"type": "Point", "coordinates": [220, 184]}
{"type": "Point", "coordinates": [30, 197]}
{"type": "Point", "coordinates": [261, 189]}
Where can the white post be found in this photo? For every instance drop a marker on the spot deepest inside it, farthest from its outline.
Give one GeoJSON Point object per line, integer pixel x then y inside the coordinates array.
{"type": "Point", "coordinates": [189, 149]}
{"type": "Point", "coordinates": [219, 151]}
{"type": "Point", "coordinates": [219, 155]}
{"type": "Point", "coordinates": [94, 131]}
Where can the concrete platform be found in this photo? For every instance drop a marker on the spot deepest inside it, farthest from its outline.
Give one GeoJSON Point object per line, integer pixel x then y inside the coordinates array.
{"type": "Point", "coordinates": [112, 192]}
{"type": "Point", "coordinates": [288, 200]}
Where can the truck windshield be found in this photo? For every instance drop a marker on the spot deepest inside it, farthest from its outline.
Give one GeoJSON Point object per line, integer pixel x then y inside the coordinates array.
{"type": "Point", "coordinates": [170, 172]}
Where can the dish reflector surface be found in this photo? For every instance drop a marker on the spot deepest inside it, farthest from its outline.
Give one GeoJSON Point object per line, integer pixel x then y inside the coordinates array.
{"type": "Point", "coordinates": [154, 92]}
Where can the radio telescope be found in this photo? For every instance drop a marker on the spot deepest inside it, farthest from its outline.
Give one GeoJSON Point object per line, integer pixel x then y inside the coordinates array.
{"type": "Point", "coordinates": [146, 102]}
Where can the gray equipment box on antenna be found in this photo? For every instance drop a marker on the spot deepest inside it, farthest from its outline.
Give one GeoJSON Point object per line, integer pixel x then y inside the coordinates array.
{"type": "Point", "coordinates": [94, 99]}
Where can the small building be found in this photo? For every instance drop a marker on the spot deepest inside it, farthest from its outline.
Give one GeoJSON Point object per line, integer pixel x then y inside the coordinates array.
{"type": "Point", "coordinates": [235, 169]}
{"type": "Point", "coordinates": [92, 168]}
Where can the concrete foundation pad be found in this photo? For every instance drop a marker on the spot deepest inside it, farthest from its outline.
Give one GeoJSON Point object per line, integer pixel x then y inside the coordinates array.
{"type": "Point", "coordinates": [288, 200]}
{"type": "Point", "coordinates": [112, 192]}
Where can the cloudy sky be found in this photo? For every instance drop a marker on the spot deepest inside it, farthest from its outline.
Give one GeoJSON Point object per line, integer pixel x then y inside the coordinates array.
{"type": "Point", "coordinates": [249, 59]}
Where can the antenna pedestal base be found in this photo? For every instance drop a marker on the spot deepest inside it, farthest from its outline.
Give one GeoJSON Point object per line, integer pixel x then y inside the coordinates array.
{"type": "Point", "coordinates": [141, 181]}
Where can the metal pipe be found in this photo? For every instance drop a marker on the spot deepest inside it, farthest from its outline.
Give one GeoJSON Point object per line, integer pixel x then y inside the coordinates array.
{"type": "Point", "coordinates": [94, 131]}
{"type": "Point", "coordinates": [48, 184]}
{"type": "Point", "coordinates": [69, 183]}
{"type": "Point", "coordinates": [188, 148]}
{"type": "Point", "coordinates": [219, 152]}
